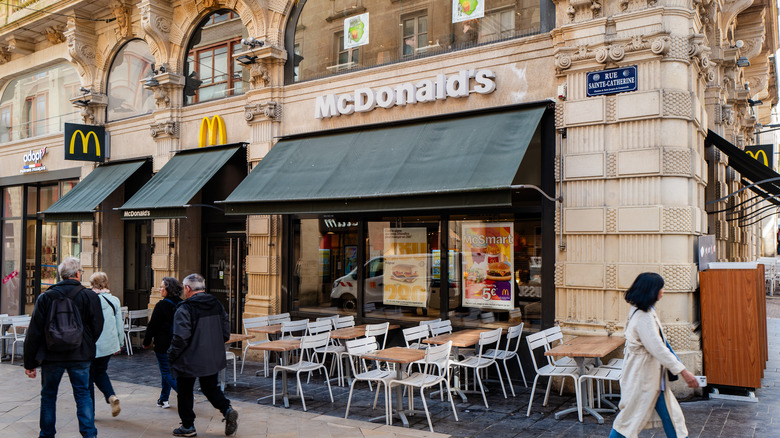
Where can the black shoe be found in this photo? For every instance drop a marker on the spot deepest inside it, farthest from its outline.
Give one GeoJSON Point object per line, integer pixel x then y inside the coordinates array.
{"type": "Point", "coordinates": [231, 421]}
{"type": "Point", "coordinates": [185, 431]}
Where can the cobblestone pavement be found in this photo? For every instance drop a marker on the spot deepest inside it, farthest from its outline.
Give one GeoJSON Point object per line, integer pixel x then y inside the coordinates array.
{"type": "Point", "coordinates": [136, 380]}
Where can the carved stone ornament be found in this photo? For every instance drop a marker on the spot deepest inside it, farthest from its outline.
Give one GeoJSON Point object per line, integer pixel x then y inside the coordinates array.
{"type": "Point", "coordinates": [269, 110]}
{"type": "Point", "coordinates": [55, 34]}
{"type": "Point", "coordinates": [582, 7]}
{"type": "Point", "coordinates": [728, 115]}
{"type": "Point", "coordinates": [161, 97]}
{"type": "Point", "coordinates": [565, 57]}
{"type": "Point", "coordinates": [122, 15]}
{"type": "Point", "coordinates": [5, 55]}
{"type": "Point", "coordinates": [156, 19]}
{"type": "Point", "coordinates": [258, 75]}
{"type": "Point", "coordinates": [81, 48]}
{"type": "Point", "coordinates": [168, 128]}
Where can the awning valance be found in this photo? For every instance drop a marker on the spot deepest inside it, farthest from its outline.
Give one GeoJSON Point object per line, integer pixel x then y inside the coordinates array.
{"type": "Point", "coordinates": [80, 203]}
{"type": "Point", "coordinates": [464, 160]}
{"type": "Point", "coordinates": [169, 192]}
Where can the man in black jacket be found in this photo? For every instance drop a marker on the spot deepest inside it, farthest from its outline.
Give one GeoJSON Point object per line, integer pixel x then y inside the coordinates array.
{"type": "Point", "coordinates": [76, 361]}
{"type": "Point", "coordinates": [200, 330]}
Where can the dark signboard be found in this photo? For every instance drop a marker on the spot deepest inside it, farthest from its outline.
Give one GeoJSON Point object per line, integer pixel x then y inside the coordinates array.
{"type": "Point", "coordinates": [763, 153]}
{"type": "Point", "coordinates": [705, 251]}
{"type": "Point", "coordinates": [85, 142]}
{"type": "Point", "coordinates": [616, 80]}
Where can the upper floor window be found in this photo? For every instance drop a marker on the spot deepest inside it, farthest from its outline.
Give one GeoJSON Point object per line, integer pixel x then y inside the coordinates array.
{"type": "Point", "coordinates": [212, 71]}
{"type": "Point", "coordinates": [367, 33]}
{"type": "Point", "coordinates": [38, 103]}
{"type": "Point", "coordinates": [126, 95]}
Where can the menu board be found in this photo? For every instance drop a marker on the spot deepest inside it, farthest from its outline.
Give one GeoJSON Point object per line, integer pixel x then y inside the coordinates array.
{"type": "Point", "coordinates": [487, 265]}
{"type": "Point", "coordinates": [406, 267]}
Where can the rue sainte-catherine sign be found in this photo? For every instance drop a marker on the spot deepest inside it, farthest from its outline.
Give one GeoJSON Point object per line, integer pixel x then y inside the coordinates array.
{"type": "Point", "coordinates": [613, 81]}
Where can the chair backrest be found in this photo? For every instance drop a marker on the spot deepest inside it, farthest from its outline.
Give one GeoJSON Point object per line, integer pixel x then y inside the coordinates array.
{"type": "Point", "coordinates": [138, 314]}
{"type": "Point", "coordinates": [328, 318]}
{"type": "Point", "coordinates": [414, 334]}
{"type": "Point", "coordinates": [535, 341]}
{"type": "Point", "coordinates": [553, 335]}
{"type": "Point", "coordinates": [376, 330]}
{"type": "Point", "coordinates": [430, 321]}
{"type": "Point", "coordinates": [320, 340]}
{"type": "Point", "coordinates": [290, 328]}
{"type": "Point", "coordinates": [22, 320]}
{"type": "Point", "coordinates": [437, 358]}
{"type": "Point", "coordinates": [514, 332]}
{"type": "Point", "coordinates": [257, 321]}
{"type": "Point", "coordinates": [316, 327]}
{"type": "Point", "coordinates": [344, 322]}
{"type": "Point", "coordinates": [358, 347]}
{"type": "Point", "coordinates": [440, 328]}
{"type": "Point", "coordinates": [278, 319]}
{"type": "Point", "coordinates": [488, 338]}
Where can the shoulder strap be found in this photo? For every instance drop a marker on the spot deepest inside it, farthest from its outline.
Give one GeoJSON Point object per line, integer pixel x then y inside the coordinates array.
{"type": "Point", "coordinates": [170, 301]}
{"type": "Point", "coordinates": [109, 303]}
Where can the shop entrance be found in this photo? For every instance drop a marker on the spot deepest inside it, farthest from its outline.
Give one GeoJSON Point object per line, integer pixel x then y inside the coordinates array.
{"type": "Point", "coordinates": [138, 264]}
{"type": "Point", "coordinates": [226, 275]}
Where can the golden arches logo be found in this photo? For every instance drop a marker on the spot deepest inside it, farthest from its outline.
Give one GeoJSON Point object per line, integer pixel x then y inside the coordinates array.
{"type": "Point", "coordinates": [209, 129]}
{"type": "Point", "coordinates": [757, 154]}
{"type": "Point", "coordinates": [85, 141]}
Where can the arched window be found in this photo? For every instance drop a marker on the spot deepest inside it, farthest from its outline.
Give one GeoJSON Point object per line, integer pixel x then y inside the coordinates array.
{"type": "Point", "coordinates": [327, 37]}
{"type": "Point", "coordinates": [39, 103]}
{"type": "Point", "coordinates": [212, 72]}
{"type": "Point", "coordinates": [126, 95]}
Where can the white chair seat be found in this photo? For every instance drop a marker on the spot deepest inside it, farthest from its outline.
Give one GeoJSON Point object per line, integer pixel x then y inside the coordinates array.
{"type": "Point", "coordinates": [417, 379]}
{"type": "Point", "coordinates": [472, 361]}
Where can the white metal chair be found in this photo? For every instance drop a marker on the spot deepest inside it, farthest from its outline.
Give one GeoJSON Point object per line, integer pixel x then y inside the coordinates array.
{"type": "Point", "coordinates": [329, 318]}
{"type": "Point", "coordinates": [377, 330]}
{"type": "Point", "coordinates": [482, 360]}
{"type": "Point", "coordinates": [294, 329]}
{"type": "Point", "coordinates": [538, 341]}
{"type": "Point", "coordinates": [602, 374]}
{"type": "Point", "coordinates": [509, 352]}
{"type": "Point", "coordinates": [259, 321]}
{"type": "Point", "coordinates": [435, 371]}
{"type": "Point", "coordinates": [413, 336]}
{"type": "Point", "coordinates": [229, 355]}
{"type": "Point", "coordinates": [131, 328]}
{"type": "Point", "coordinates": [19, 325]}
{"type": "Point", "coordinates": [430, 321]}
{"type": "Point", "coordinates": [440, 328]}
{"type": "Point", "coordinates": [344, 322]}
{"type": "Point", "coordinates": [317, 327]}
{"type": "Point", "coordinates": [309, 344]}
{"type": "Point", "coordinates": [278, 319]}
{"type": "Point", "coordinates": [357, 348]}
{"type": "Point", "coordinates": [554, 336]}
{"type": "Point", "coordinates": [5, 333]}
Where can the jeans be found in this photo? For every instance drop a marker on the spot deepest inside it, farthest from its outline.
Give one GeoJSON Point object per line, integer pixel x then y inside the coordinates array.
{"type": "Point", "coordinates": [209, 385]}
{"type": "Point", "coordinates": [168, 381]}
{"type": "Point", "coordinates": [98, 376]}
{"type": "Point", "coordinates": [660, 408]}
{"type": "Point", "coordinates": [78, 373]}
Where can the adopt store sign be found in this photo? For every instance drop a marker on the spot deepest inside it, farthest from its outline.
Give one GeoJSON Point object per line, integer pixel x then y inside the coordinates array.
{"type": "Point", "coordinates": [442, 87]}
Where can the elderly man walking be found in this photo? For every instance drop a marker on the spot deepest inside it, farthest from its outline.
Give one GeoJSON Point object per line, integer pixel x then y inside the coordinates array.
{"type": "Point", "coordinates": [66, 322]}
{"type": "Point", "coordinates": [200, 330]}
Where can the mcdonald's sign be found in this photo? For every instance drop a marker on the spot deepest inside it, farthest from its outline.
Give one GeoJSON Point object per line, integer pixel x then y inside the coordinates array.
{"type": "Point", "coordinates": [763, 153]}
{"type": "Point", "coordinates": [212, 132]}
{"type": "Point", "coordinates": [85, 142]}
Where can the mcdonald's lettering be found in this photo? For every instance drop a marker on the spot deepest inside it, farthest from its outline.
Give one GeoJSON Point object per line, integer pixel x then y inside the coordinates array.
{"type": "Point", "coordinates": [757, 154]}
{"type": "Point", "coordinates": [209, 129]}
{"type": "Point", "coordinates": [85, 141]}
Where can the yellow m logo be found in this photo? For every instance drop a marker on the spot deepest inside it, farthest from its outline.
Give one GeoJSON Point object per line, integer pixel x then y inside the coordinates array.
{"type": "Point", "coordinates": [209, 129]}
{"type": "Point", "coordinates": [757, 154]}
{"type": "Point", "coordinates": [85, 141]}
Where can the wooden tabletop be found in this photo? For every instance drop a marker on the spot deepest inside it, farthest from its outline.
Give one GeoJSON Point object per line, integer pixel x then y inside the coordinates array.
{"type": "Point", "coordinates": [354, 332]}
{"type": "Point", "coordinates": [238, 337]}
{"type": "Point", "coordinates": [463, 338]}
{"type": "Point", "coordinates": [587, 346]}
{"type": "Point", "coordinates": [396, 355]}
{"type": "Point", "coordinates": [268, 329]}
{"type": "Point", "coordinates": [279, 346]}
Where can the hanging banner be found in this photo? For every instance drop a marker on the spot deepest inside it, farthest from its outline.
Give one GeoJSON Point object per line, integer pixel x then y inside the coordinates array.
{"type": "Point", "coordinates": [463, 10]}
{"type": "Point", "coordinates": [763, 153]}
{"type": "Point", "coordinates": [488, 258]}
{"type": "Point", "coordinates": [406, 267]}
{"type": "Point", "coordinates": [356, 31]}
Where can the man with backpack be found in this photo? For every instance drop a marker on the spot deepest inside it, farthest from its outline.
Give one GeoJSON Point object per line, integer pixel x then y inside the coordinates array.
{"type": "Point", "coordinates": [66, 322]}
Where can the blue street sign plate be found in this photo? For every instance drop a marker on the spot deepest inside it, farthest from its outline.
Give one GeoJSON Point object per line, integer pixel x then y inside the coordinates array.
{"type": "Point", "coordinates": [616, 80]}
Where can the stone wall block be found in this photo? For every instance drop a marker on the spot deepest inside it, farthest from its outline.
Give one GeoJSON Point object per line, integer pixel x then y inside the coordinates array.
{"type": "Point", "coordinates": [583, 166]}
{"type": "Point", "coordinates": [611, 276]}
{"type": "Point", "coordinates": [583, 220]}
{"type": "Point", "coordinates": [639, 219]}
{"type": "Point", "coordinates": [678, 162]}
{"type": "Point", "coordinates": [639, 104]}
{"type": "Point", "coordinates": [559, 270]}
{"type": "Point", "coordinates": [611, 219]}
{"type": "Point", "coordinates": [678, 220]}
{"type": "Point", "coordinates": [584, 112]}
{"type": "Point", "coordinates": [639, 162]}
{"type": "Point", "coordinates": [612, 165]}
{"type": "Point", "coordinates": [680, 278]}
{"type": "Point", "coordinates": [678, 104]}
{"type": "Point", "coordinates": [680, 336]}
{"type": "Point", "coordinates": [585, 275]}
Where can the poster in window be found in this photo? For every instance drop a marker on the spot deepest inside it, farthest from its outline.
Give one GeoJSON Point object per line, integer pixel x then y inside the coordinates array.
{"type": "Point", "coordinates": [350, 258]}
{"type": "Point", "coordinates": [488, 259]}
{"type": "Point", "coordinates": [356, 31]}
{"type": "Point", "coordinates": [406, 267]}
{"type": "Point", "coordinates": [464, 10]}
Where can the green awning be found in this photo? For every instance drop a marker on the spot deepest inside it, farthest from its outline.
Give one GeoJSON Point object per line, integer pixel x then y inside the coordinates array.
{"type": "Point", "coordinates": [79, 204]}
{"type": "Point", "coordinates": [169, 192]}
{"type": "Point", "coordinates": [459, 161]}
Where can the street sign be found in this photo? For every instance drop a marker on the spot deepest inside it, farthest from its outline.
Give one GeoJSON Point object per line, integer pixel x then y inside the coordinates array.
{"type": "Point", "coordinates": [613, 81]}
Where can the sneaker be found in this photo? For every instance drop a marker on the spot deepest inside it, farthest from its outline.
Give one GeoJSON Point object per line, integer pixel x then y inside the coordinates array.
{"type": "Point", "coordinates": [114, 402]}
{"type": "Point", "coordinates": [163, 404]}
{"type": "Point", "coordinates": [185, 431]}
{"type": "Point", "coordinates": [231, 421]}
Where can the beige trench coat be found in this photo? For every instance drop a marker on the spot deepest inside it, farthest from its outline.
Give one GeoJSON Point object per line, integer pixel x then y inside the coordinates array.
{"type": "Point", "coordinates": [646, 360]}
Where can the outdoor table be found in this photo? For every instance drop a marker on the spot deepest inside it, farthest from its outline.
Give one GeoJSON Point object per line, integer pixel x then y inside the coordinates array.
{"type": "Point", "coordinates": [234, 337]}
{"type": "Point", "coordinates": [581, 348]}
{"type": "Point", "coordinates": [282, 346]}
{"type": "Point", "coordinates": [402, 356]}
{"type": "Point", "coordinates": [347, 333]}
{"type": "Point", "coordinates": [463, 338]}
{"type": "Point", "coordinates": [274, 329]}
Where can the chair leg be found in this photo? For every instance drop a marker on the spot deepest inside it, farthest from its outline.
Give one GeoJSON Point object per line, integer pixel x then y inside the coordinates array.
{"type": "Point", "coordinates": [300, 388]}
{"type": "Point", "coordinates": [273, 385]}
{"type": "Point", "coordinates": [547, 394]}
{"type": "Point", "coordinates": [243, 358]}
{"type": "Point", "coordinates": [349, 400]}
{"type": "Point", "coordinates": [500, 379]}
{"type": "Point", "coordinates": [481, 388]}
{"type": "Point", "coordinates": [452, 401]}
{"type": "Point", "coordinates": [234, 368]}
{"type": "Point", "coordinates": [425, 405]}
{"type": "Point", "coordinates": [376, 396]}
{"type": "Point", "coordinates": [509, 379]}
{"type": "Point", "coordinates": [329, 390]}
{"type": "Point", "coordinates": [531, 400]}
{"type": "Point", "coordinates": [522, 373]}
{"type": "Point", "coordinates": [563, 380]}
{"type": "Point", "coordinates": [578, 395]}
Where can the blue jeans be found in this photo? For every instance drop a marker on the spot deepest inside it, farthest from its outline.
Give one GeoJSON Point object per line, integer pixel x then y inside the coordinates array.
{"type": "Point", "coordinates": [666, 419]}
{"type": "Point", "coordinates": [168, 381]}
{"type": "Point", "coordinates": [78, 373]}
{"type": "Point", "coordinates": [98, 375]}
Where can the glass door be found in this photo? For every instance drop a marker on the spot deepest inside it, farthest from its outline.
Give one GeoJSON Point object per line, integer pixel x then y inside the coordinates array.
{"type": "Point", "coordinates": [226, 276]}
{"type": "Point", "coordinates": [138, 264]}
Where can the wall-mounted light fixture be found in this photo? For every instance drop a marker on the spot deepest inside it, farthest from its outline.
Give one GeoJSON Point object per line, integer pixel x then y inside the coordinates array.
{"type": "Point", "coordinates": [81, 103]}
{"type": "Point", "coordinates": [151, 82]}
{"type": "Point", "coordinates": [752, 102]}
{"type": "Point", "coordinates": [742, 61]}
{"type": "Point", "coordinates": [246, 59]}
{"type": "Point", "coordinates": [251, 43]}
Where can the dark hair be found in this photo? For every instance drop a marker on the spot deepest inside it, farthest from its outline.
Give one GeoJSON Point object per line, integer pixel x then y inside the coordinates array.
{"type": "Point", "coordinates": [644, 292]}
{"type": "Point", "coordinates": [172, 286]}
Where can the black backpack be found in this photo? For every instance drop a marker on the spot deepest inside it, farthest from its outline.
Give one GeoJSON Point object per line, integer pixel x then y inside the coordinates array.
{"type": "Point", "coordinates": [64, 329]}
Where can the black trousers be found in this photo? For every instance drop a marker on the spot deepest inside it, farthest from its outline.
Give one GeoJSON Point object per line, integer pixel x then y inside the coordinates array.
{"type": "Point", "coordinates": [209, 385]}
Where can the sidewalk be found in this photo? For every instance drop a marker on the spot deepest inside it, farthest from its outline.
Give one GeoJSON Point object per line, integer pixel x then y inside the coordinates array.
{"type": "Point", "coordinates": [136, 380]}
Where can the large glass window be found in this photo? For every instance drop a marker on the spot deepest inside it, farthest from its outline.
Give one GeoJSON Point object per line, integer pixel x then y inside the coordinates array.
{"type": "Point", "coordinates": [12, 250]}
{"type": "Point", "coordinates": [126, 95]}
{"type": "Point", "coordinates": [211, 70]}
{"type": "Point", "coordinates": [39, 103]}
{"type": "Point", "coordinates": [390, 32]}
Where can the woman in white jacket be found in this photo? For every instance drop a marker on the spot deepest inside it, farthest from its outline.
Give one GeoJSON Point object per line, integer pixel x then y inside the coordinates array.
{"type": "Point", "coordinates": [644, 385]}
{"type": "Point", "coordinates": [110, 342]}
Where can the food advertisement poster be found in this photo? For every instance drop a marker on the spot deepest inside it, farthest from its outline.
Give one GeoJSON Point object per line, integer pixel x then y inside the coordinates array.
{"type": "Point", "coordinates": [356, 31]}
{"type": "Point", "coordinates": [463, 10]}
{"type": "Point", "coordinates": [487, 265]}
{"type": "Point", "coordinates": [406, 267]}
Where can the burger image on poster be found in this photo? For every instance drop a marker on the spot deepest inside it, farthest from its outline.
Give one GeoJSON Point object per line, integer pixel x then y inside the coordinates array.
{"type": "Point", "coordinates": [499, 271]}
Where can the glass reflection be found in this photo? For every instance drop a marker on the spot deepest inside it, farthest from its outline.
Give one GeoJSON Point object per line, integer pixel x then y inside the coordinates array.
{"type": "Point", "coordinates": [126, 95]}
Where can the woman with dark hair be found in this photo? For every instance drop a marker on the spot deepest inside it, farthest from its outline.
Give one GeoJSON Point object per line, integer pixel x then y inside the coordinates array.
{"type": "Point", "coordinates": [160, 330]}
{"type": "Point", "coordinates": [649, 361]}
